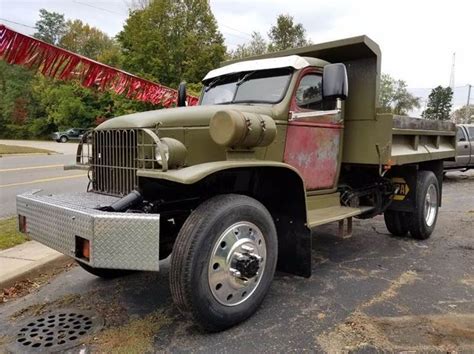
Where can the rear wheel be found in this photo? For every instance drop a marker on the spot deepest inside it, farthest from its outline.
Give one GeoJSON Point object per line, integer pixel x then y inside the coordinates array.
{"type": "Point", "coordinates": [223, 261]}
{"type": "Point", "coordinates": [396, 222]}
{"type": "Point", "coordinates": [423, 220]}
{"type": "Point", "coordinates": [105, 273]}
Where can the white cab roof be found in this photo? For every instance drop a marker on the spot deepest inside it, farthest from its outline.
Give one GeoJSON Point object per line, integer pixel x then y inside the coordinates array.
{"type": "Point", "coordinates": [292, 61]}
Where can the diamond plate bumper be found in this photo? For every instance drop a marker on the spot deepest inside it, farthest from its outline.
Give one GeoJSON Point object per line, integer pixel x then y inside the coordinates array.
{"type": "Point", "coordinates": [117, 240]}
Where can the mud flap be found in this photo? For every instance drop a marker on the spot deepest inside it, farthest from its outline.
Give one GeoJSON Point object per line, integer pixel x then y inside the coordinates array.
{"type": "Point", "coordinates": [294, 247]}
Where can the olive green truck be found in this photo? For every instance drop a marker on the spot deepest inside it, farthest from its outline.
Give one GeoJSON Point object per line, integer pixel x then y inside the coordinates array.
{"type": "Point", "coordinates": [230, 189]}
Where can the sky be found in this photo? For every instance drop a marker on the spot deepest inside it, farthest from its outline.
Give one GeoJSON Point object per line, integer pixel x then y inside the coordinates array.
{"type": "Point", "coordinates": [417, 37]}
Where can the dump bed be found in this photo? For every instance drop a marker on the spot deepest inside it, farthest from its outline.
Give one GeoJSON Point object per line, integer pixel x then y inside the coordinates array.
{"type": "Point", "coordinates": [398, 140]}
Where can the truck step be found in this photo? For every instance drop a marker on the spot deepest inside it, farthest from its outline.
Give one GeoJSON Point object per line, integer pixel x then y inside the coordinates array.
{"type": "Point", "coordinates": [317, 217]}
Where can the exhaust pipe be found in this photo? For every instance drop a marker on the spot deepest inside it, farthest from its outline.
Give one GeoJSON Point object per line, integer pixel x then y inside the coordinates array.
{"type": "Point", "coordinates": [130, 200]}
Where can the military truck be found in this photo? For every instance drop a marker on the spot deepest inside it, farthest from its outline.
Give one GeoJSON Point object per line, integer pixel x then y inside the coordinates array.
{"type": "Point", "coordinates": [231, 189]}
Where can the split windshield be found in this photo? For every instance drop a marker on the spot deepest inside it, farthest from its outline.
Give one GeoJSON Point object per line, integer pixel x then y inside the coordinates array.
{"type": "Point", "coordinates": [263, 86]}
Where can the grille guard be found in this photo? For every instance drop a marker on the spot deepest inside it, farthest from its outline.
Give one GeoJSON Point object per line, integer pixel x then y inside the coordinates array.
{"type": "Point", "coordinates": [113, 156]}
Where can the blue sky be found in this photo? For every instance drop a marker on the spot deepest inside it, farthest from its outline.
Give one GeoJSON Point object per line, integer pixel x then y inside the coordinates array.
{"type": "Point", "coordinates": [417, 38]}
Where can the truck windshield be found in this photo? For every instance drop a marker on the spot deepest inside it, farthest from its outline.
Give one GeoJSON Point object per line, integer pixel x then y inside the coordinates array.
{"type": "Point", "coordinates": [264, 86]}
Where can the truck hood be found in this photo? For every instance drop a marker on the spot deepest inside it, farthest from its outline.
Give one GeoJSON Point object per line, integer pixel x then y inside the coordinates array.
{"type": "Point", "coordinates": [194, 116]}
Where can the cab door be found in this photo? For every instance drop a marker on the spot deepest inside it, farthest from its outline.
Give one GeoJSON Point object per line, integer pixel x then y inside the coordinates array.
{"type": "Point", "coordinates": [314, 134]}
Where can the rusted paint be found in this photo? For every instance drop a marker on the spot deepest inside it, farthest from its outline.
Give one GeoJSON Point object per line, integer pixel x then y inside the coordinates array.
{"type": "Point", "coordinates": [313, 149]}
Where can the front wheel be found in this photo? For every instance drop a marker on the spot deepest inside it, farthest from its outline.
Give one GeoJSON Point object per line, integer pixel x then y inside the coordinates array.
{"type": "Point", "coordinates": [63, 139]}
{"type": "Point", "coordinates": [223, 261]}
{"type": "Point", "coordinates": [423, 219]}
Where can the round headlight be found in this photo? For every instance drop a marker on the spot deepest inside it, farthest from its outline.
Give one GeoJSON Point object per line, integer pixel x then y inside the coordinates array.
{"type": "Point", "coordinates": [173, 151]}
{"type": "Point", "coordinates": [158, 155]}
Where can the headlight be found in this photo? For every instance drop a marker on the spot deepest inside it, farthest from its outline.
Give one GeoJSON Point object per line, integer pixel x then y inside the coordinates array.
{"type": "Point", "coordinates": [173, 151]}
{"type": "Point", "coordinates": [158, 155]}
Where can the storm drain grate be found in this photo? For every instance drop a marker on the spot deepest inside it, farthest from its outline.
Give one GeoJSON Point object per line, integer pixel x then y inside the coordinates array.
{"type": "Point", "coordinates": [56, 331]}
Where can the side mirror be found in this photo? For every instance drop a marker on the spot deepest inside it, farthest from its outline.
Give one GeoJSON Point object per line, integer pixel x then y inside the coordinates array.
{"type": "Point", "coordinates": [462, 139]}
{"type": "Point", "coordinates": [181, 95]}
{"type": "Point", "coordinates": [335, 83]}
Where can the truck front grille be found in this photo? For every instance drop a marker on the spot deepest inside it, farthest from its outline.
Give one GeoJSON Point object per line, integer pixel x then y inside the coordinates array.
{"type": "Point", "coordinates": [114, 161]}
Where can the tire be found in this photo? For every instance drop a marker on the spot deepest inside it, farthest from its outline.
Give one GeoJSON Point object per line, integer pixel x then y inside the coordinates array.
{"type": "Point", "coordinates": [205, 292]}
{"type": "Point", "coordinates": [105, 273]}
{"type": "Point", "coordinates": [423, 220]}
{"type": "Point", "coordinates": [63, 139]}
{"type": "Point", "coordinates": [396, 222]}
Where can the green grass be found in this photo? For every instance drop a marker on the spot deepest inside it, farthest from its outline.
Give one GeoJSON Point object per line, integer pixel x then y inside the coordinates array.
{"type": "Point", "coordinates": [9, 236]}
{"type": "Point", "coordinates": [13, 149]}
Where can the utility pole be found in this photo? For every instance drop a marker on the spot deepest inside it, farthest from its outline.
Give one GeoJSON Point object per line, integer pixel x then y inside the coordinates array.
{"type": "Point", "coordinates": [468, 104]}
{"type": "Point", "coordinates": [453, 69]}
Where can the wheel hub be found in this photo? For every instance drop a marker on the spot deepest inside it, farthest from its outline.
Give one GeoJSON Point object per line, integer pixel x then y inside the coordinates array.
{"type": "Point", "coordinates": [248, 266]}
{"type": "Point", "coordinates": [237, 263]}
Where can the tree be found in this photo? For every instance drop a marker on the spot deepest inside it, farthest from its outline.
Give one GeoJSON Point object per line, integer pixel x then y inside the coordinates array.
{"type": "Point", "coordinates": [439, 103]}
{"type": "Point", "coordinates": [50, 27]}
{"type": "Point", "coordinates": [172, 40]}
{"type": "Point", "coordinates": [89, 41]}
{"type": "Point", "coordinates": [286, 34]}
{"type": "Point", "coordinates": [256, 46]}
{"type": "Point", "coordinates": [463, 115]}
{"type": "Point", "coordinates": [394, 96]}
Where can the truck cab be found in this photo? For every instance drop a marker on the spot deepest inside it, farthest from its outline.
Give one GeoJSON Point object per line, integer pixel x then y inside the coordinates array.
{"type": "Point", "coordinates": [464, 149]}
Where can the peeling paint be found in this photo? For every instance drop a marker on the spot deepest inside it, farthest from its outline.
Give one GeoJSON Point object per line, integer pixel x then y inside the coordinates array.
{"type": "Point", "coordinates": [313, 149]}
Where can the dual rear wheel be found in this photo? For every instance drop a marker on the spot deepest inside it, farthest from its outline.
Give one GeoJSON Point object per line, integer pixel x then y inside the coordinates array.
{"type": "Point", "coordinates": [421, 222]}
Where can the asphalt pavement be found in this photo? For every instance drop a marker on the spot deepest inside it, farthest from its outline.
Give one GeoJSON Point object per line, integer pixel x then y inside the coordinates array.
{"type": "Point", "coordinates": [372, 292]}
{"type": "Point", "coordinates": [19, 174]}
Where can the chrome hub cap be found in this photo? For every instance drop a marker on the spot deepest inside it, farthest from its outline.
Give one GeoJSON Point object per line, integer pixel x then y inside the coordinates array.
{"type": "Point", "coordinates": [431, 205]}
{"type": "Point", "coordinates": [237, 263]}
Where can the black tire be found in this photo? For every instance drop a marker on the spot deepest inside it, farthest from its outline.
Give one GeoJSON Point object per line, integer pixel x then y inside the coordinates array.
{"type": "Point", "coordinates": [63, 139]}
{"type": "Point", "coordinates": [396, 222]}
{"type": "Point", "coordinates": [190, 260]}
{"type": "Point", "coordinates": [419, 227]}
{"type": "Point", "coordinates": [105, 273]}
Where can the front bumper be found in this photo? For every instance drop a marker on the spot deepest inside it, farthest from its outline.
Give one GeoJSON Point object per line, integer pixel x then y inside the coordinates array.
{"type": "Point", "coordinates": [117, 240]}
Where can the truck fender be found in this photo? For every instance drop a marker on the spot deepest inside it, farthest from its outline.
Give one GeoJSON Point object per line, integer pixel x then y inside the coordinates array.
{"type": "Point", "coordinates": [279, 187]}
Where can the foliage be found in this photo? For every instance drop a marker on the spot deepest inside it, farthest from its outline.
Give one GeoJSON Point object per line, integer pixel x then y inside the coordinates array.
{"type": "Point", "coordinates": [256, 46]}
{"type": "Point", "coordinates": [50, 27]}
{"type": "Point", "coordinates": [463, 115]}
{"type": "Point", "coordinates": [172, 40]}
{"type": "Point", "coordinates": [83, 39]}
{"type": "Point", "coordinates": [34, 106]}
{"type": "Point", "coordinates": [286, 34]}
{"type": "Point", "coordinates": [439, 103]}
{"type": "Point", "coordinates": [394, 96]}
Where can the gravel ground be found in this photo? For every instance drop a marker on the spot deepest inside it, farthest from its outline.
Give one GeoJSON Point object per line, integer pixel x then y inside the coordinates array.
{"type": "Point", "coordinates": [368, 293]}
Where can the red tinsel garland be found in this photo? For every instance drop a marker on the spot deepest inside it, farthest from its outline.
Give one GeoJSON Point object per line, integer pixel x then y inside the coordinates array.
{"type": "Point", "coordinates": [55, 62]}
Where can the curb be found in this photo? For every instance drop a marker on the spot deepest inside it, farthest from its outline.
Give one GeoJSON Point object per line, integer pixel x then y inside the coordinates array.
{"type": "Point", "coordinates": [33, 269]}
{"type": "Point", "coordinates": [32, 154]}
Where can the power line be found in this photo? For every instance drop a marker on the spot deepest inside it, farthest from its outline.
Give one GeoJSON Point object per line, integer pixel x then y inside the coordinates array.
{"type": "Point", "coordinates": [234, 29]}
{"type": "Point", "coordinates": [16, 23]}
{"type": "Point", "coordinates": [97, 7]}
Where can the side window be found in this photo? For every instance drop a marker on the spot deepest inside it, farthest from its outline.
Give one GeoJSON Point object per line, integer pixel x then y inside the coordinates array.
{"type": "Point", "coordinates": [460, 135]}
{"type": "Point", "coordinates": [309, 92]}
{"type": "Point", "coordinates": [471, 133]}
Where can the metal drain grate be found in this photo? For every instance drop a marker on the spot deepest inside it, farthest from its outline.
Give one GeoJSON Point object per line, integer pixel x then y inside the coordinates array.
{"type": "Point", "coordinates": [56, 331]}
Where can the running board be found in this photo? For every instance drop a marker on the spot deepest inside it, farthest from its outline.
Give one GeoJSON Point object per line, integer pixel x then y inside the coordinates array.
{"type": "Point", "coordinates": [317, 217]}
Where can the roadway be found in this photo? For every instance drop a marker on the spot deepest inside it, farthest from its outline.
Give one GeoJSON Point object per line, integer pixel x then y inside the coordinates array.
{"type": "Point", "coordinates": [19, 174]}
{"type": "Point", "coordinates": [369, 293]}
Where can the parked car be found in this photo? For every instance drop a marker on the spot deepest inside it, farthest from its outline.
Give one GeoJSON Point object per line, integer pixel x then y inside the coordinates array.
{"type": "Point", "coordinates": [70, 134]}
{"type": "Point", "coordinates": [464, 149]}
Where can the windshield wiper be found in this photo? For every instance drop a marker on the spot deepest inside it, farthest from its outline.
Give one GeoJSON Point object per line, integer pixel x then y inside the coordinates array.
{"type": "Point", "coordinates": [213, 83]}
{"type": "Point", "coordinates": [244, 78]}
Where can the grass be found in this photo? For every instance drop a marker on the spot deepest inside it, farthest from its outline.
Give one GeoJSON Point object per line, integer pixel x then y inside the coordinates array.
{"type": "Point", "coordinates": [9, 236]}
{"type": "Point", "coordinates": [13, 149]}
